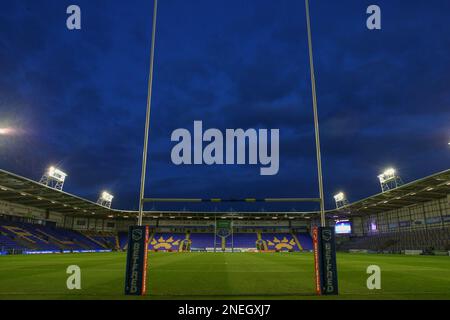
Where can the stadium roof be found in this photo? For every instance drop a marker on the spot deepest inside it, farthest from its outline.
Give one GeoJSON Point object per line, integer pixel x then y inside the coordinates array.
{"type": "Point", "coordinates": [433, 187]}
{"type": "Point", "coordinates": [20, 190]}
{"type": "Point", "coordinates": [27, 192]}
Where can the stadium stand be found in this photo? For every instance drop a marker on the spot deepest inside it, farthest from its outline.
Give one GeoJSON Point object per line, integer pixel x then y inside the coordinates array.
{"type": "Point", "coordinates": [305, 241]}
{"type": "Point", "coordinates": [245, 240]}
{"type": "Point", "coordinates": [396, 242]}
{"type": "Point", "coordinates": [105, 239]}
{"type": "Point", "coordinates": [8, 244]}
{"type": "Point", "coordinates": [36, 218]}
{"type": "Point", "coordinates": [123, 240]}
{"type": "Point", "coordinates": [29, 238]}
{"type": "Point", "coordinates": [280, 242]}
{"type": "Point", "coordinates": [201, 240]}
{"type": "Point", "coordinates": [166, 241]}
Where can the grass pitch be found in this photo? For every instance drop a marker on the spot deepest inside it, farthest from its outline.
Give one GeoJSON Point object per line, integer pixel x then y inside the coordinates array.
{"type": "Point", "coordinates": [223, 276]}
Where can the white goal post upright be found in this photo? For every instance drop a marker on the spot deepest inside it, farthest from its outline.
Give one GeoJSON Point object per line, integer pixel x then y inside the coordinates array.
{"type": "Point", "coordinates": [316, 117]}
{"type": "Point", "coordinates": [147, 116]}
{"type": "Point", "coordinates": [142, 198]}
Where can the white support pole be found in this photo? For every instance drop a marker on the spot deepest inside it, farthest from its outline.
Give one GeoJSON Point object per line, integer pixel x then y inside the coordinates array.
{"type": "Point", "coordinates": [316, 118]}
{"type": "Point", "coordinates": [147, 117]}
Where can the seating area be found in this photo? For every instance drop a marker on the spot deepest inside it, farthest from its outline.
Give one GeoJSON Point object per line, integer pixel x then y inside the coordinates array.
{"type": "Point", "coordinates": [201, 240]}
{"type": "Point", "coordinates": [24, 237]}
{"type": "Point", "coordinates": [35, 238]}
{"type": "Point", "coordinates": [305, 241]}
{"type": "Point", "coordinates": [423, 239]}
{"type": "Point", "coordinates": [105, 239]}
{"type": "Point", "coordinates": [245, 240]}
{"type": "Point", "coordinates": [280, 241]}
{"type": "Point", "coordinates": [166, 241]}
{"type": "Point", "coordinates": [7, 243]}
{"type": "Point", "coordinates": [123, 240]}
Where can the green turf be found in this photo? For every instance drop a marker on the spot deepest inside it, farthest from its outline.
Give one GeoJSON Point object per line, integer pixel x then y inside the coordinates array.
{"type": "Point", "coordinates": [223, 276]}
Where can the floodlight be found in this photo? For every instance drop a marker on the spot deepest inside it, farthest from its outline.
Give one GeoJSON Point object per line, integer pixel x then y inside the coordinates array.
{"type": "Point", "coordinates": [387, 175]}
{"type": "Point", "coordinates": [389, 179]}
{"type": "Point", "coordinates": [6, 131]}
{"type": "Point", "coordinates": [57, 174]}
{"type": "Point", "coordinates": [105, 199]}
{"type": "Point", "coordinates": [54, 178]}
{"type": "Point", "coordinates": [106, 196]}
{"type": "Point", "coordinates": [339, 197]}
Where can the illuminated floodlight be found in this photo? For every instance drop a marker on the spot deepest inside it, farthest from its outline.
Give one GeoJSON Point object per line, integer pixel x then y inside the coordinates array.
{"type": "Point", "coordinates": [54, 178]}
{"type": "Point", "coordinates": [105, 199]}
{"type": "Point", "coordinates": [106, 196]}
{"type": "Point", "coordinates": [387, 175]}
{"type": "Point", "coordinates": [6, 131]}
{"type": "Point", "coordinates": [340, 199]}
{"type": "Point", "coordinates": [389, 179]}
{"type": "Point", "coordinates": [56, 174]}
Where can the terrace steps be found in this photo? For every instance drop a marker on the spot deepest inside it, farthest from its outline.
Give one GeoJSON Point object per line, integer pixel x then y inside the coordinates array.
{"type": "Point", "coordinates": [95, 241]}
{"type": "Point", "coordinates": [60, 244]}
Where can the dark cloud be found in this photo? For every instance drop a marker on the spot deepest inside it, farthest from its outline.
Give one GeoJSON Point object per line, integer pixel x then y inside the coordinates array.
{"type": "Point", "coordinates": [79, 97]}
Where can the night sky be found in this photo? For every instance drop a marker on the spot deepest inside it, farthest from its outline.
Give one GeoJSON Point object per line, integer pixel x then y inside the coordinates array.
{"type": "Point", "coordinates": [77, 99]}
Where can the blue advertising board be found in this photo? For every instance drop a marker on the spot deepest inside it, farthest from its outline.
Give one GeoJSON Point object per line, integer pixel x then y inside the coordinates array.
{"type": "Point", "coordinates": [136, 271]}
{"type": "Point", "coordinates": [324, 245]}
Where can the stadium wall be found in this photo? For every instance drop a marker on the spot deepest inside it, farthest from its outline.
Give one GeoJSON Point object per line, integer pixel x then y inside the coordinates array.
{"type": "Point", "coordinates": [426, 215]}
{"type": "Point", "coordinates": [80, 224]}
{"type": "Point", "coordinates": [13, 209]}
{"type": "Point", "coordinates": [95, 224]}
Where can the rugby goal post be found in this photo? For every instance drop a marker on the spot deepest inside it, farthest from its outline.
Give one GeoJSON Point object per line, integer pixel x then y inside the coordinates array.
{"type": "Point", "coordinates": [323, 260]}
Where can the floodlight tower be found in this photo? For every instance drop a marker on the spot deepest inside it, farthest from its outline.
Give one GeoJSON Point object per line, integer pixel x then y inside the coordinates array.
{"type": "Point", "coordinates": [341, 200]}
{"type": "Point", "coordinates": [105, 199]}
{"type": "Point", "coordinates": [389, 180]}
{"type": "Point", "coordinates": [54, 178]}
